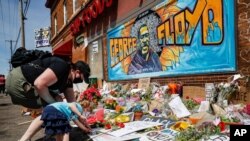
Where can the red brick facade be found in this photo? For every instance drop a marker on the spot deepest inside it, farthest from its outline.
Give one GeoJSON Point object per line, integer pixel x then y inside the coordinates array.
{"type": "Point", "coordinates": [122, 9]}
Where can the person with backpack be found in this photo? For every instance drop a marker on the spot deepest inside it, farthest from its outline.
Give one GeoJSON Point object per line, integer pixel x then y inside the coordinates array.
{"type": "Point", "coordinates": [39, 83]}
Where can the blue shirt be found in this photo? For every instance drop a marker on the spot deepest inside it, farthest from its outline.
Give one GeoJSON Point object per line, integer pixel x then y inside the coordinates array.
{"type": "Point", "coordinates": [65, 109]}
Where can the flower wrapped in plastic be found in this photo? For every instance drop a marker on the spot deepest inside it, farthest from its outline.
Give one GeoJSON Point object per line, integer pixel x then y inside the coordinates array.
{"type": "Point", "coordinates": [91, 96]}
{"type": "Point", "coordinates": [225, 91]}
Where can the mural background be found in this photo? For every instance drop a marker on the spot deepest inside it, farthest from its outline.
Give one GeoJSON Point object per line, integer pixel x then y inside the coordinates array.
{"type": "Point", "coordinates": [193, 58]}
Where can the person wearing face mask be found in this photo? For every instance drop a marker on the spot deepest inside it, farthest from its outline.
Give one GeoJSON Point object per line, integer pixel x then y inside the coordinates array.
{"type": "Point", "coordinates": [39, 83]}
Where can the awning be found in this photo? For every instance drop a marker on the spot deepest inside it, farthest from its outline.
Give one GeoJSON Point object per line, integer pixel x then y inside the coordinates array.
{"type": "Point", "coordinates": [64, 48]}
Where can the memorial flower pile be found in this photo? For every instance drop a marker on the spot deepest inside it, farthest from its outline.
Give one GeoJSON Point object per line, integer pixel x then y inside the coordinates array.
{"type": "Point", "coordinates": [91, 94]}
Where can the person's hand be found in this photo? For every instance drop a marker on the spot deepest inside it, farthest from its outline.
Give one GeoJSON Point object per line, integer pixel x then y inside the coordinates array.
{"type": "Point", "coordinates": [84, 121]}
{"type": "Point", "coordinates": [86, 129]}
{"type": "Point", "coordinates": [82, 118]}
{"type": "Point", "coordinates": [59, 98]}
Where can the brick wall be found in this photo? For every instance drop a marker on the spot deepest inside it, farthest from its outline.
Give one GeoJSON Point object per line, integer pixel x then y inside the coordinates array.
{"type": "Point", "coordinates": [58, 11]}
{"type": "Point", "coordinates": [243, 55]}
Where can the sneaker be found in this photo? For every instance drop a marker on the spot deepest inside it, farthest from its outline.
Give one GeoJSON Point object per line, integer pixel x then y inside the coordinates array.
{"type": "Point", "coordinates": [26, 114]}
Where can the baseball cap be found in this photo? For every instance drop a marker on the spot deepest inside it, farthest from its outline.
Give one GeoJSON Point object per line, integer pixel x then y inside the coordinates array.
{"type": "Point", "coordinates": [84, 68]}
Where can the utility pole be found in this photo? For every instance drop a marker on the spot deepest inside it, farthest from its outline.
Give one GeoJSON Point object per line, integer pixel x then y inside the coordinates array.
{"type": "Point", "coordinates": [22, 23]}
{"type": "Point", "coordinates": [11, 51]}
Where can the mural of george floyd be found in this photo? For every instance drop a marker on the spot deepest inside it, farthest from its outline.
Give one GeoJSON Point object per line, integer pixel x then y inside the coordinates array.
{"type": "Point", "coordinates": [174, 39]}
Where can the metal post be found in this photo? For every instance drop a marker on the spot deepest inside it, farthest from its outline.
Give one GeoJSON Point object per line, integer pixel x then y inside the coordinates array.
{"type": "Point", "coordinates": [22, 23]}
{"type": "Point", "coordinates": [11, 51]}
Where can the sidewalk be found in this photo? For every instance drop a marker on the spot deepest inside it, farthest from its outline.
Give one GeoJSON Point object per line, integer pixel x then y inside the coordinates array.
{"type": "Point", "coordinates": [10, 118]}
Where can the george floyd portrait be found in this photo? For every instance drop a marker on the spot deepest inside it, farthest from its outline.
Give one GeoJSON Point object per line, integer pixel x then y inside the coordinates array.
{"type": "Point", "coordinates": [145, 59]}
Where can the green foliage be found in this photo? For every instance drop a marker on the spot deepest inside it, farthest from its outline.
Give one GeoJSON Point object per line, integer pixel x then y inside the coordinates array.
{"type": "Point", "coordinates": [190, 104]}
{"type": "Point", "coordinates": [194, 134]}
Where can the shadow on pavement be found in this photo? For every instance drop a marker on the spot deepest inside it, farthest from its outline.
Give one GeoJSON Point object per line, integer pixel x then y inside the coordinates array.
{"type": "Point", "coordinates": [75, 135]}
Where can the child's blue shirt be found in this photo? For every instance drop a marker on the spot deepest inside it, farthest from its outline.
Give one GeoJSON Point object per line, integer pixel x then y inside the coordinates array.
{"type": "Point", "coordinates": [65, 109]}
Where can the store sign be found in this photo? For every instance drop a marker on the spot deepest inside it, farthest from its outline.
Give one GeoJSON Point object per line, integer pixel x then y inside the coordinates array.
{"type": "Point", "coordinates": [95, 8]}
{"type": "Point", "coordinates": [80, 39]}
{"type": "Point", "coordinates": [42, 37]}
{"type": "Point", "coordinates": [174, 38]}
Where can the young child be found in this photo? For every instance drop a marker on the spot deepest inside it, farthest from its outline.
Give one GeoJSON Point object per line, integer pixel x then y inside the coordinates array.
{"type": "Point", "coordinates": [56, 118]}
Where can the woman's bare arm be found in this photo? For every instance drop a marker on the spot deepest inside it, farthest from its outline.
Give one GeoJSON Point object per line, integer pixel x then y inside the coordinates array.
{"type": "Point", "coordinates": [42, 82]}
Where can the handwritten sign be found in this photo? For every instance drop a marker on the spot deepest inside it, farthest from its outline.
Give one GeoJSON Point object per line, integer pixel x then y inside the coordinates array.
{"type": "Point", "coordinates": [166, 122]}
{"type": "Point", "coordinates": [164, 135]}
{"type": "Point", "coordinates": [143, 83]}
{"type": "Point", "coordinates": [132, 127]}
{"type": "Point", "coordinates": [209, 90]}
{"type": "Point", "coordinates": [217, 138]}
{"type": "Point", "coordinates": [178, 108]}
{"type": "Point", "coordinates": [243, 96]}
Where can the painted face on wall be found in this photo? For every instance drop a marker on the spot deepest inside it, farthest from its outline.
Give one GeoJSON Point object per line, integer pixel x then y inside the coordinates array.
{"type": "Point", "coordinates": [144, 39]}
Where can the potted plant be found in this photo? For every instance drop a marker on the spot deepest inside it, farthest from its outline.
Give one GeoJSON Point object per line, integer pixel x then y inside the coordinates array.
{"type": "Point", "coordinates": [138, 112]}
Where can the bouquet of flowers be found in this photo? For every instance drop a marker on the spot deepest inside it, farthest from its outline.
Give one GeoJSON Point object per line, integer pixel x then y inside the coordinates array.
{"type": "Point", "coordinates": [91, 94]}
{"type": "Point", "coordinates": [110, 104]}
{"type": "Point", "coordinates": [225, 91]}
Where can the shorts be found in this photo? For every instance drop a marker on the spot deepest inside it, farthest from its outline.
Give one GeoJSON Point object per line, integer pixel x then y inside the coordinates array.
{"type": "Point", "coordinates": [54, 121]}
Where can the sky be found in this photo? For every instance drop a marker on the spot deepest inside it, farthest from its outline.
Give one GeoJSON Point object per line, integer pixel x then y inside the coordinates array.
{"type": "Point", "coordinates": [38, 16]}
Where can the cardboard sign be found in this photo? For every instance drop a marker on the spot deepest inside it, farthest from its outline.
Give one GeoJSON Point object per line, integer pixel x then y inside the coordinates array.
{"type": "Point", "coordinates": [243, 96]}
{"type": "Point", "coordinates": [244, 93]}
{"type": "Point", "coordinates": [193, 92]}
{"type": "Point", "coordinates": [143, 83]}
{"type": "Point", "coordinates": [166, 122]}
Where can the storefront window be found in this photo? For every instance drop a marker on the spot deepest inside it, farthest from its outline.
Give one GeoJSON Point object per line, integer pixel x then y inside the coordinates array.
{"type": "Point", "coordinates": [74, 6]}
{"type": "Point", "coordinates": [55, 23]}
{"type": "Point", "coordinates": [65, 11]}
{"type": "Point", "coordinates": [95, 59]}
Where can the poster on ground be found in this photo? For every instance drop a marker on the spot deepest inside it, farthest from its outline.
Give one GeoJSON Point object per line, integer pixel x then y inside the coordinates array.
{"type": "Point", "coordinates": [174, 38]}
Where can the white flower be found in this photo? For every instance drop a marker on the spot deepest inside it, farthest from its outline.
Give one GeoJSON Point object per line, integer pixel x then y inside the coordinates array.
{"type": "Point", "coordinates": [226, 85]}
